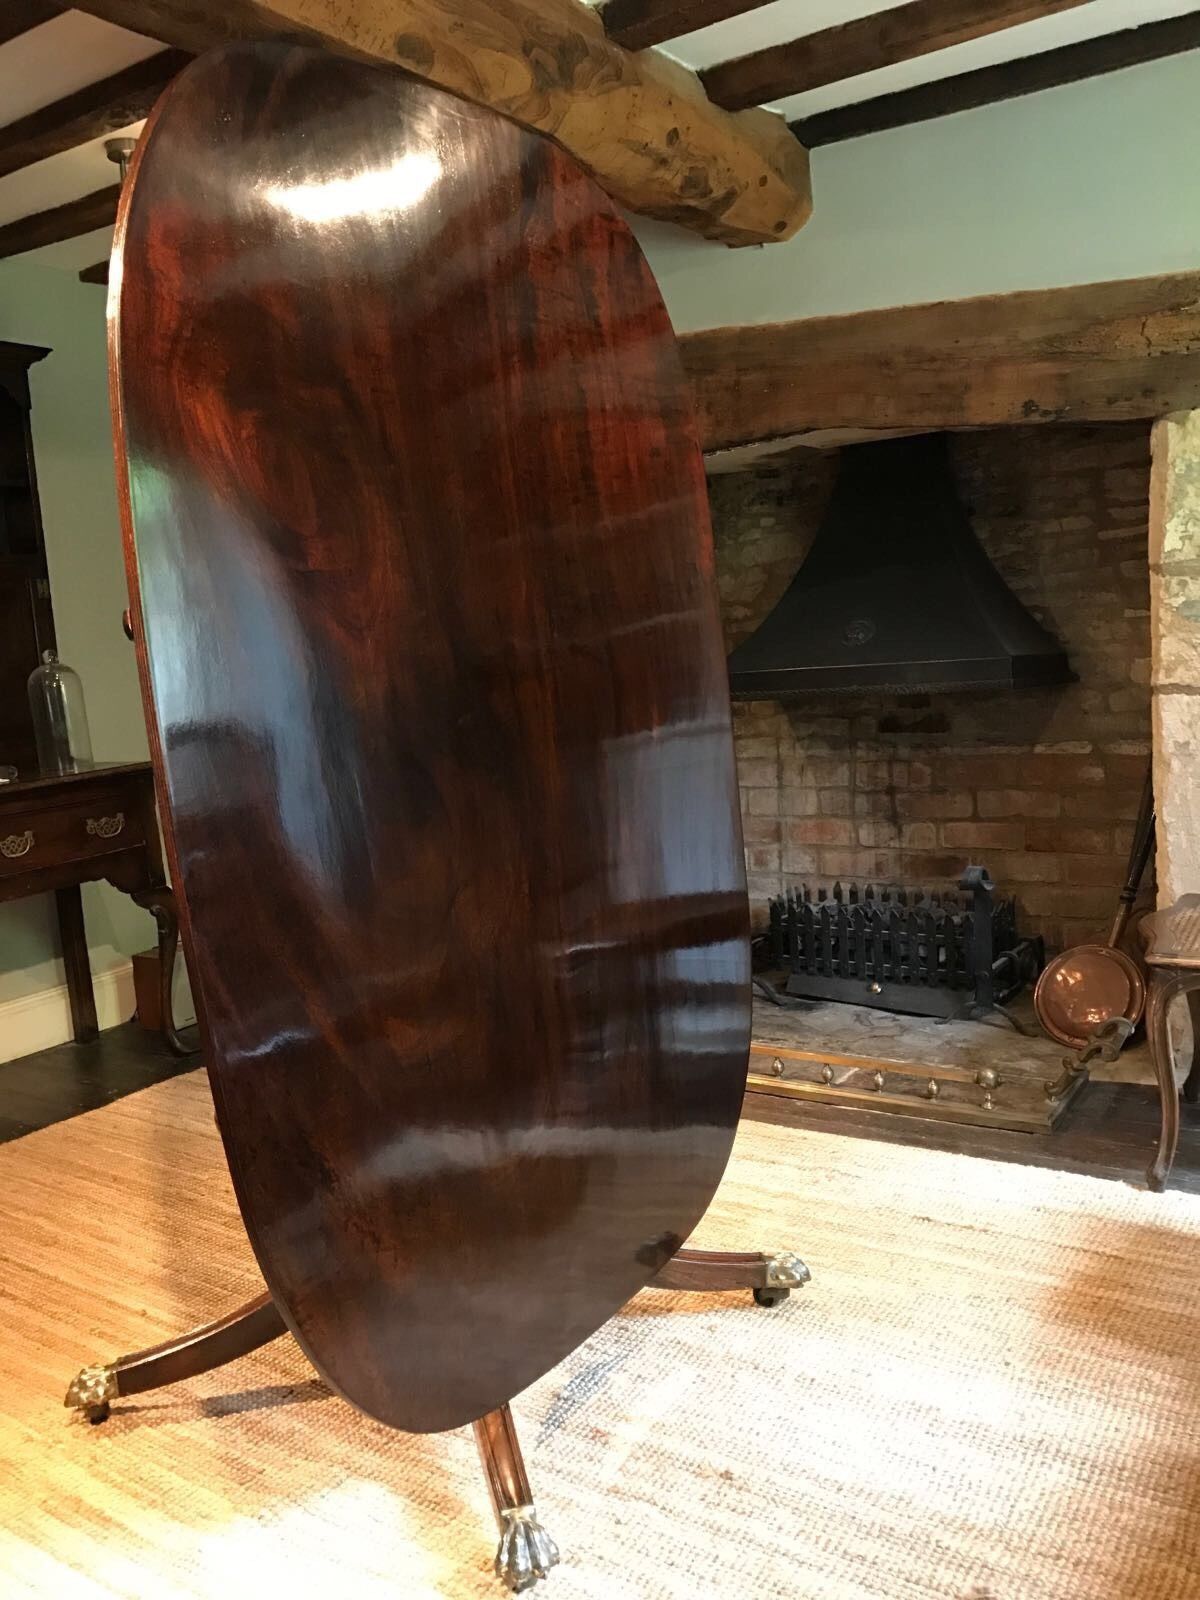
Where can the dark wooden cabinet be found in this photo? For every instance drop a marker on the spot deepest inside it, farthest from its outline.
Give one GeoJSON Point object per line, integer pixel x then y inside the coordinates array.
{"type": "Point", "coordinates": [26, 618]}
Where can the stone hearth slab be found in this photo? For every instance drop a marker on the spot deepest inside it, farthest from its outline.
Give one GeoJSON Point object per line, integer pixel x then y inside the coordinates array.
{"type": "Point", "coordinates": [979, 1072]}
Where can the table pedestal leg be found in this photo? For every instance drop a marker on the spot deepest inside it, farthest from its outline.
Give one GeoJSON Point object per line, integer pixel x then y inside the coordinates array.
{"type": "Point", "coordinates": [246, 1329]}
{"type": "Point", "coordinates": [526, 1552]}
{"type": "Point", "coordinates": [770, 1277]}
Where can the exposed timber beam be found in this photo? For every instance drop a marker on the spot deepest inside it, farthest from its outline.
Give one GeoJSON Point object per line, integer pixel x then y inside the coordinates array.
{"type": "Point", "coordinates": [967, 91]}
{"type": "Point", "coordinates": [639, 23]}
{"type": "Point", "coordinates": [639, 123]}
{"type": "Point", "coordinates": [1102, 352]}
{"type": "Point", "coordinates": [18, 16]}
{"type": "Point", "coordinates": [92, 211]}
{"type": "Point", "coordinates": [101, 108]}
{"type": "Point", "coordinates": [865, 44]}
{"type": "Point", "coordinates": [96, 273]}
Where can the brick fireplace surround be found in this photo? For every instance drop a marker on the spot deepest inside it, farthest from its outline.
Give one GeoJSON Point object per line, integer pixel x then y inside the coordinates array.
{"type": "Point", "coordinates": [1042, 786]}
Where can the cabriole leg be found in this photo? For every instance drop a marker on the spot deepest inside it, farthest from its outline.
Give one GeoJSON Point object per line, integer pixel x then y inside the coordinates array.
{"type": "Point", "coordinates": [1163, 990]}
{"type": "Point", "coordinates": [160, 902]}
{"type": "Point", "coordinates": [1191, 1089]}
{"type": "Point", "coordinates": [526, 1551]}
{"type": "Point", "coordinates": [251, 1326]}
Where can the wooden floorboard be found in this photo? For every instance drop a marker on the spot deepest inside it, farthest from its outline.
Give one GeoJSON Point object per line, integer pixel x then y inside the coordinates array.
{"type": "Point", "coordinates": [1111, 1131]}
{"type": "Point", "coordinates": [67, 1079]}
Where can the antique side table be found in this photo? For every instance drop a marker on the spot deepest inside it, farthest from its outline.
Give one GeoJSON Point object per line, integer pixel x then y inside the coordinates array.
{"type": "Point", "coordinates": [59, 832]}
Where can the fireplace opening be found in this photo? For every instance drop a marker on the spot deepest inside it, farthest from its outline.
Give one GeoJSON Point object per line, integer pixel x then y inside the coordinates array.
{"type": "Point", "coordinates": [893, 787]}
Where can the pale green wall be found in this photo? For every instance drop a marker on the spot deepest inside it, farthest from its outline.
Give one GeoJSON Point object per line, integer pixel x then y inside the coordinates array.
{"type": "Point", "coordinates": [73, 449]}
{"type": "Point", "coordinates": [1098, 180]}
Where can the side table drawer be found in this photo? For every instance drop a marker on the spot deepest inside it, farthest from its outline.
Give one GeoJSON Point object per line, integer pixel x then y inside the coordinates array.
{"type": "Point", "coordinates": [47, 838]}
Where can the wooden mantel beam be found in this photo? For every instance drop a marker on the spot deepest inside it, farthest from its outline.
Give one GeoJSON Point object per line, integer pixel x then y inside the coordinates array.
{"type": "Point", "coordinates": [1103, 352]}
{"type": "Point", "coordinates": [639, 123]}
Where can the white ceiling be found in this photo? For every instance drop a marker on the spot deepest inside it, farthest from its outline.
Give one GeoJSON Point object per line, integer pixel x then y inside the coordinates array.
{"type": "Point", "coordinates": [74, 49]}
{"type": "Point", "coordinates": [61, 56]}
{"type": "Point", "coordinates": [42, 66]}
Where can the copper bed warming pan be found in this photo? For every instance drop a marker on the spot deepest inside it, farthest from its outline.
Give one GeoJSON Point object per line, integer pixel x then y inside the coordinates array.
{"type": "Point", "coordinates": [1083, 988]}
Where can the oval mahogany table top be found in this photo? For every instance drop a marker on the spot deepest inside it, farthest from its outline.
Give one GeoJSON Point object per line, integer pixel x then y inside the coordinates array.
{"type": "Point", "coordinates": [421, 567]}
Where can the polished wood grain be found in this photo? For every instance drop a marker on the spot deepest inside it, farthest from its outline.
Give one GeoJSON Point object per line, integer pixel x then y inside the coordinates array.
{"type": "Point", "coordinates": [421, 573]}
{"type": "Point", "coordinates": [711, 1271]}
{"type": "Point", "coordinates": [227, 1339]}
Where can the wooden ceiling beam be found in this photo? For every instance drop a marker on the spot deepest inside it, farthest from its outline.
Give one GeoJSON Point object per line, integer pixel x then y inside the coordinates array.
{"type": "Point", "coordinates": [864, 45]}
{"type": "Point", "coordinates": [967, 91]}
{"type": "Point", "coordinates": [100, 108]}
{"type": "Point", "coordinates": [96, 273]}
{"type": "Point", "coordinates": [639, 123]}
{"type": "Point", "coordinates": [1104, 352]}
{"type": "Point", "coordinates": [637, 24]}
{"type": "Point", "coordinates": [85, 215]}
{"type": "Point", "coordinates": [19, 16]}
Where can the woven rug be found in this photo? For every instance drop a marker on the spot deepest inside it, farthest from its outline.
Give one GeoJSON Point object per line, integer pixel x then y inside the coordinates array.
{"type": "Point", "coordinates": [989, 1392]}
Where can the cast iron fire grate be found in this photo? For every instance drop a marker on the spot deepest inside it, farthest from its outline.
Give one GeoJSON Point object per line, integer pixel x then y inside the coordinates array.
{"type": "Point", "coordinates": [927, 954]}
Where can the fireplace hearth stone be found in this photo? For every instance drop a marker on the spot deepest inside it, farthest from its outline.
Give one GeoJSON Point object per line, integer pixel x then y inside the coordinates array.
{"type": "Point", "coordinates": [960, 1071]}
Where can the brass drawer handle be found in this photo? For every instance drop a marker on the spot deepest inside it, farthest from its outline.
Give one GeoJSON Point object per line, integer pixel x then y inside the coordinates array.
{"type": "Point", "coordinates": [106, 827]}
{"type": "Point", "coordinates": [16, 844]}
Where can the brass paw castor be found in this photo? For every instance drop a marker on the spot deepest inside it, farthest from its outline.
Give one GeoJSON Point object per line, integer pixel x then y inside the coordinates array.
{"type": "Point", "coordinates": [92, 1392]}
{"type": "Point", "coordinates": [785, 1272]}
{"type": "Point", "coordinates": [526, 1553]}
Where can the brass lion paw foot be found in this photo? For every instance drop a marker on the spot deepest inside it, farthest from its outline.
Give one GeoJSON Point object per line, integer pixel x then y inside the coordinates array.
{"type": "Point", "coordinates": [785, 1272]}
{"type": "Point", "coordinates": [92, 1392]}
{"type": "Point", "coordinates": [527, 1552]}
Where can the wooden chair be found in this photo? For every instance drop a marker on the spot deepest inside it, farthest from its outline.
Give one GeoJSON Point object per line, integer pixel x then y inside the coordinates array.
{"type": "Point", "coordinates": [1173, 957]}
{"type": "Point", "coordinates": [421, 578]}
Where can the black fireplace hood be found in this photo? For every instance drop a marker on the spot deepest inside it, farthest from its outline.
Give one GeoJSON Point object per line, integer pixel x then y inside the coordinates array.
{"type": "Point", "coordinates": [896, 594]}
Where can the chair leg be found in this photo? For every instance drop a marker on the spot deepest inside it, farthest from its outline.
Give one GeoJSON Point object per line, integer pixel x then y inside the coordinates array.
{"type": "Point", "coordinates": [770, 1277]}
{"type": "Point", "coordinates": [526, 1551]}
{"type": "Point", "coordinates": [1163, 989]}
{"type": "Point", "coordinates": [1191, 1089]}
{"type": "Point", "coordinates": [244, 1330]}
